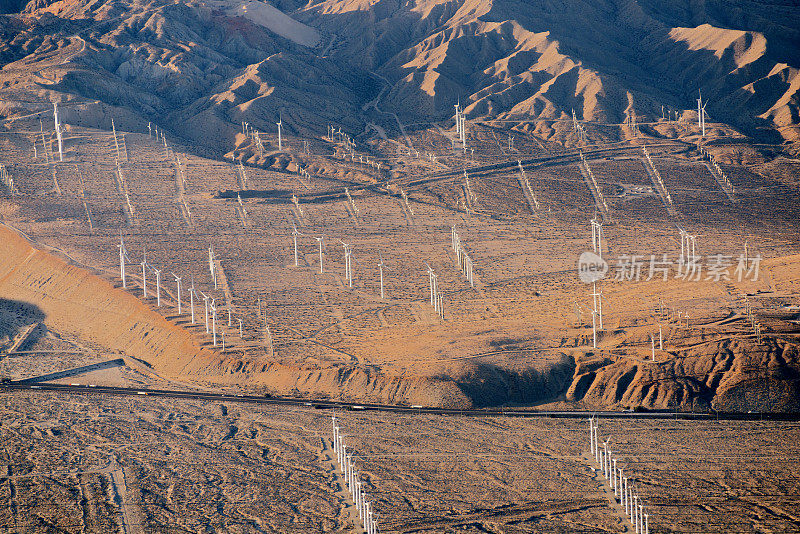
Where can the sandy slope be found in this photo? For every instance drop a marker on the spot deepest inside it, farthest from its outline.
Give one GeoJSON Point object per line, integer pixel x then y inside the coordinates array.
{"type": "Point", "coordinates": [77, 302]}
{"type": "Point", "coordinates": [81, 304]}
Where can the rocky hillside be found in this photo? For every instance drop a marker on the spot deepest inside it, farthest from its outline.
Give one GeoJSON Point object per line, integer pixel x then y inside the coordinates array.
{"type": "Point", "coordinates": [730, 375]}
{"type": "Point", "coordinates": [208, 65]}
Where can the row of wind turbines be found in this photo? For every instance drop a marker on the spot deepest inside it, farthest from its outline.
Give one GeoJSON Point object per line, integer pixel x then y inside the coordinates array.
{"type": "Point", "coordinates": [352, 481]}
{"type": "Point", "coordinates": [463, 261]}
{"type": "Point", "coordinates": [688, 256]}
{"type": "Point", "coordinates": [209, 301]}
{"type": "Point", "coordinates": [626, 494]}
{"type": "Point", "coordinates": [348, 258]}
{"type": "Point", "coordinates": [249, 131]}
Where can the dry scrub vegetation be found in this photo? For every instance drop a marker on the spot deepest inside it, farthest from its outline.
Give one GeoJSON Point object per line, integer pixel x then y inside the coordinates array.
{"type": "Point", "coordinates": [74, 463]}
{"type": "Point", "coordinates": [513, 338]}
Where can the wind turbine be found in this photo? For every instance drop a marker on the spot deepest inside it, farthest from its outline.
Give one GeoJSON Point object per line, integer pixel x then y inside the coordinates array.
{"type": "Point", "coordinates": [214, 322]}
{"type": "Point", "coordinates": [684, 252]}
{"type": "Point", "coordinates": [598, 305]}
{"type": "Point", "coordinates": [178, 281]}
{"type": "Point", "coordinates": [58, 131]}
{"type": "Point", "coordinates": [347, 271]}
{"type": "Point", "coordinates": [703, 119]}
{"type": "Point", "coordinates": [123, 255]}
{"type": "Point", "coordinates": [701, 111]}
{"type": "Point", "coordinates": [321, 241]}
{"type": "Point", "coordinates": [158, 287]}
{"type": "Point", "coordinates": [380, 266]}
{"type": "Point", "coordinates": [144, 275]}
{"type": "Point", "coordinates": [348, 263]}
{"type": "Point", "coordinates": [205, 301]}
{"type": "Point", "coordinates": [597, 236]}
{"type": "Point", "coordinates": [280, 123]}
{"type": "Point", "coordinates": [691, 240]}
{"type": "Point", "coordinates": [211, 265]}
{"type": "Point", "coordinates": [435, 301]}
{"type": "Point", "coordinates": [295, 233]}
{"type": "Point", "coordinates": [192, 295]}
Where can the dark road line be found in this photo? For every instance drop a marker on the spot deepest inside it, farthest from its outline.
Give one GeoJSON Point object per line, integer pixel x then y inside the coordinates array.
{"type": "Point", "coordinates": [352, 406]}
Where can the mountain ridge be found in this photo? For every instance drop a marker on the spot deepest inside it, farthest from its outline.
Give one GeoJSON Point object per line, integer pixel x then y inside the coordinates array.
{"type": "Point", "coordinates": [505, 60]}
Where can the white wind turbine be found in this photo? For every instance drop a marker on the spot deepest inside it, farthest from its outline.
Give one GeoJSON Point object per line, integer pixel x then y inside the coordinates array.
{"type": "Point", "coordinates": [192, 295]}
{"type": "Point", "coordinates": [321, 241]}
{"type": "Point", "coordinates": [380, 267]}
{"type": "Point", "coordinates": [123, 256]}
{"type": "Point", "coordinates": [212, 265]}
{"type": "Point", "coordinates": [703, 120]}
{"type": "Point", "coordinates": [58, 131]}
{"type": "Point", "coordinates": [280, 124]}
{"type": "Point", "coordinates": [701, 114]}
{"type": "Point", "coordinates": [205, 301]}
{"type": "Point", "coordinates": [178, 282]}
{"type": "Point", "coordinates": [348, 272]}
{"type": "Point", "coordinates": [295, 233]}
{"type": "Point", "coordinates": [214, 322]}
{"type": "Point", "coordinates": [144, 275]}
{"type": "Point", "coordinates": [158, 287]}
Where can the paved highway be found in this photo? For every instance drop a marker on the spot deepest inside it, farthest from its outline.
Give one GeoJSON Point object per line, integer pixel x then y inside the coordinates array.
{"type": "Point", "coordinates": [329, 404]}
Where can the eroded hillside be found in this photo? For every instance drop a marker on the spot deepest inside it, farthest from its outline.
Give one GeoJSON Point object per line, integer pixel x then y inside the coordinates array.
{"type": "Point", "coordinates": [210, 65]}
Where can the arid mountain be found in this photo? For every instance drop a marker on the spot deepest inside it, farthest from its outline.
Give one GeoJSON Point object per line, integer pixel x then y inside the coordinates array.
{"type": "Point", "coordinates": [520, 59]}
{"type": "Point", "coordinates": [208, 65]}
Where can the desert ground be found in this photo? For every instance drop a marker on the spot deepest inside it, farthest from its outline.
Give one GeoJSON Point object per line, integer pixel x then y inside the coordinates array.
{"type": "Point", "coordinates": [78, 463]}
{"type": "Point", "coordinates": [395, 204]}
{"type": "Point", "coordinates": [521, 337]}
{"type": "Point", "coordinates": [525, 319]}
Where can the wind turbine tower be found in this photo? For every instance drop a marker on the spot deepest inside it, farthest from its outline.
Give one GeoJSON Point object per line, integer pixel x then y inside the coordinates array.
{"type": "Point", "coordinates": [321, 241]}
{"type": "Point", "coordinates": [205, 301]}
{"type": "Point", "coordinates": [123, 255]}
{"type": "Point", "coordinates": [144, 276]}
{"type": "Point", "coordinates": [212, 265]}
{"type": "Point", "coordinates": [380, 267]}
{"type": "Point", "coordinates": [703, 119]}
{"type": "Point", "coordinates": [214, 322]}
{"type": "Point", "coordinates": [295, 233]}
{"type": "Point", "coordinates": [280, 124]}
{"type": "Point", "coordinates": [192, 295]}
{"type": "Point", "coordinates": [701, 115]}
{"type": "Point", "coordinates": [158, 287]}
{"type": "Point", "coordinates": [178, 281]}
{"type": "Point", "coordinates": [58, 131]}
{"type": "Point", "coordinates": [597, 236]}
{"type": "Point", "coordinates": [458, 118]}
